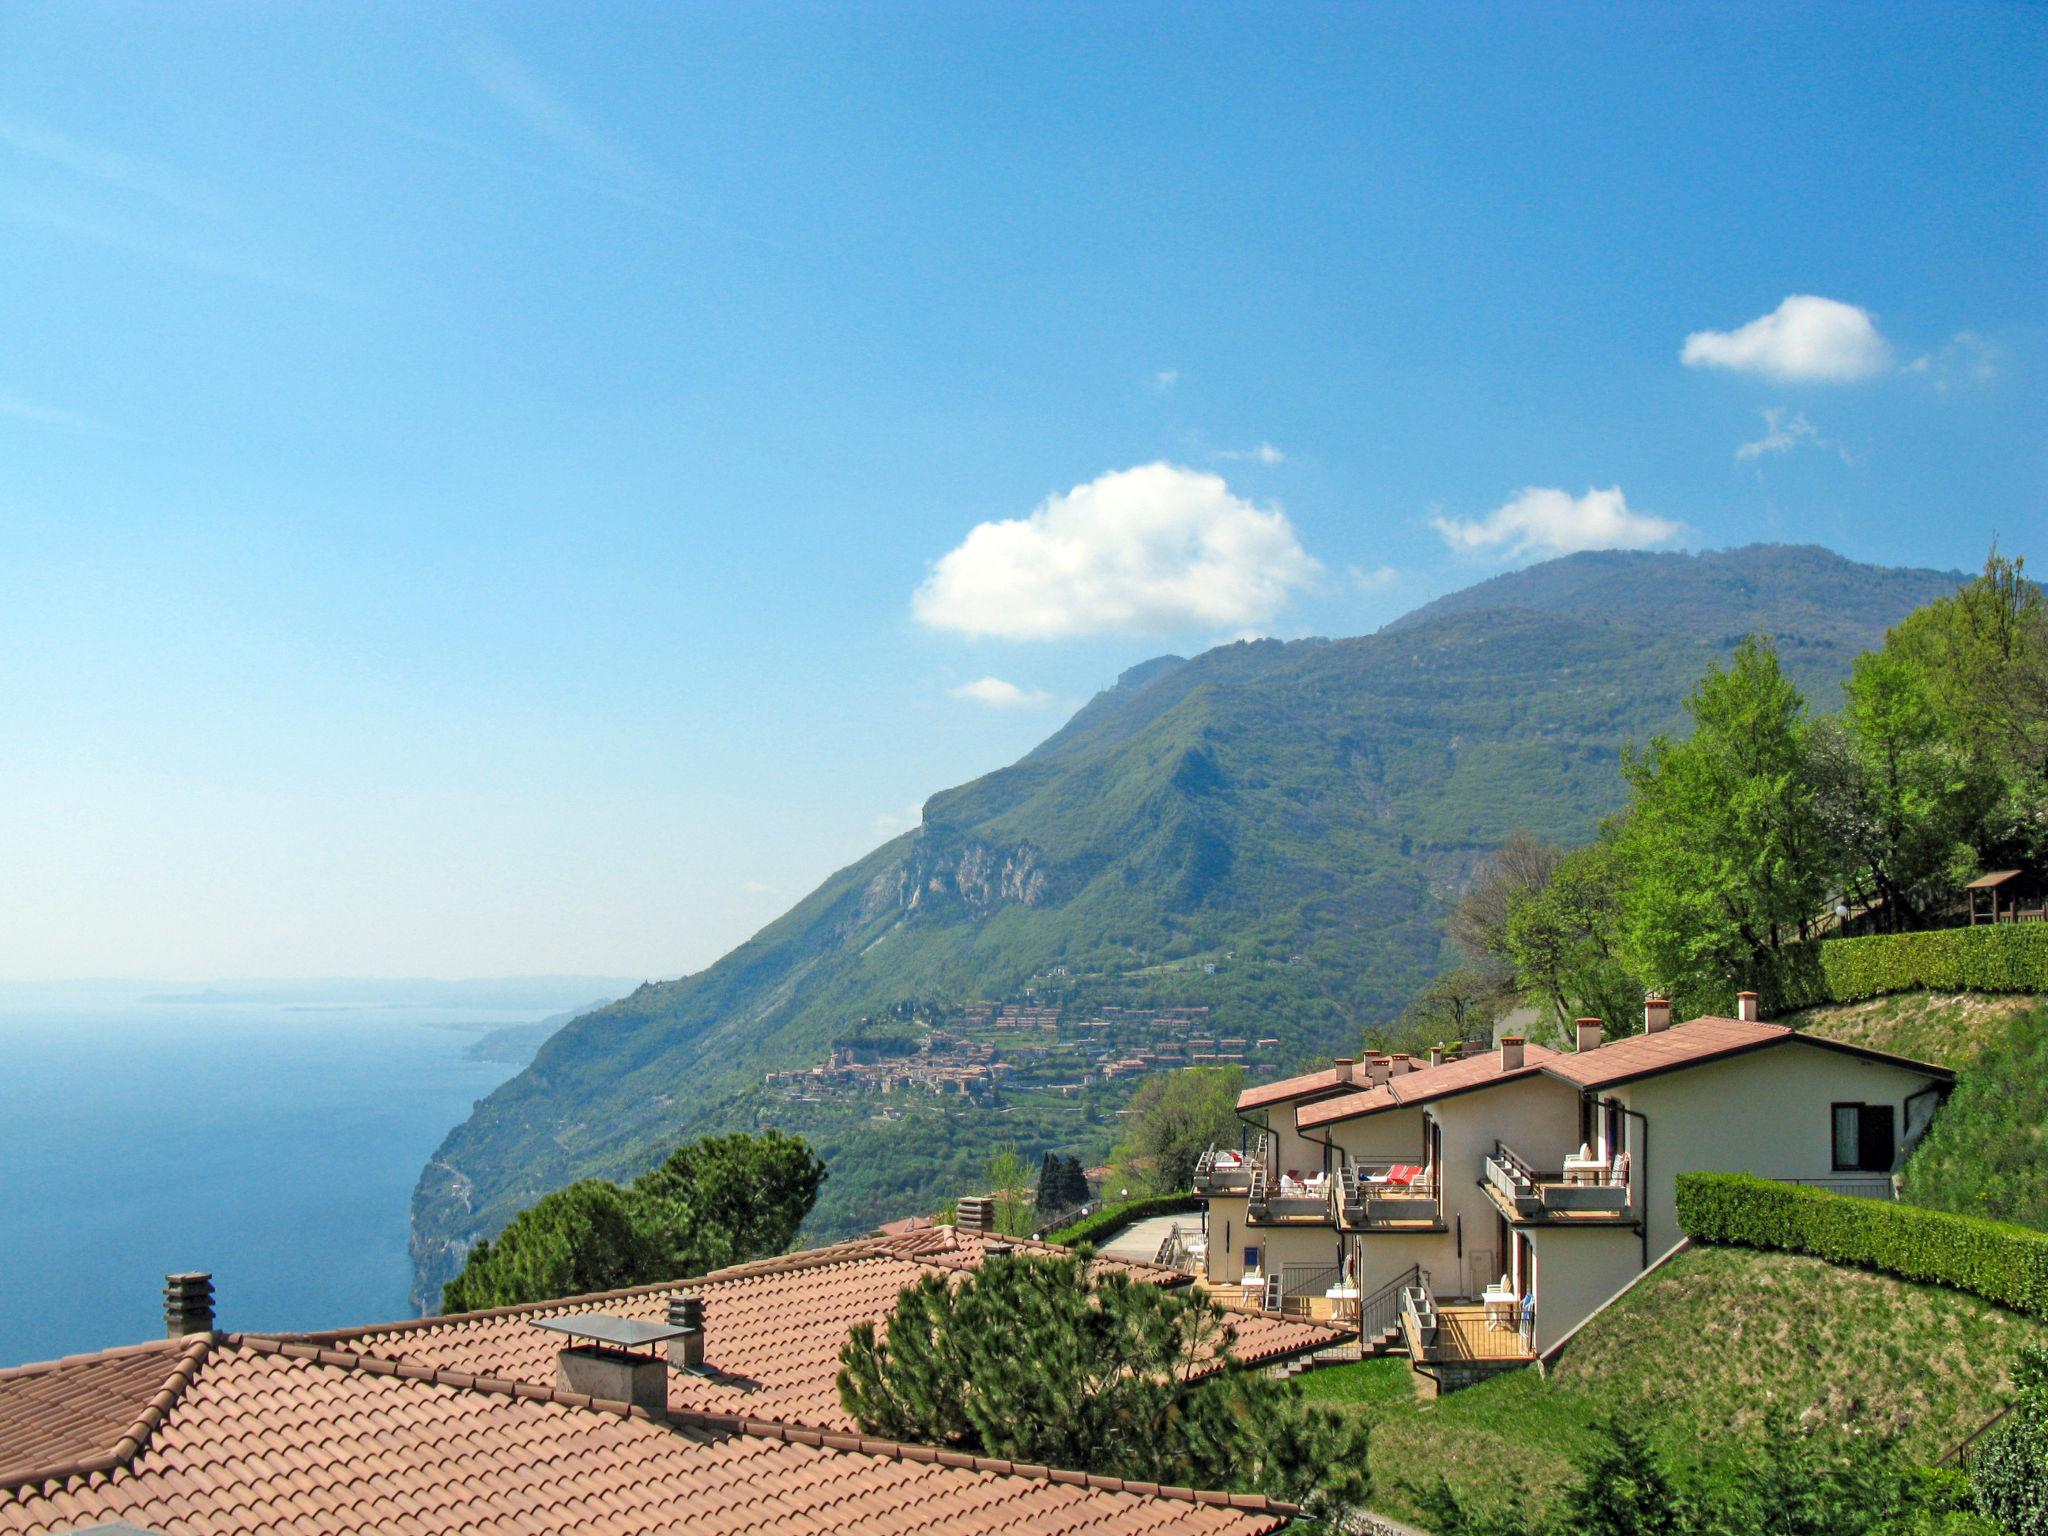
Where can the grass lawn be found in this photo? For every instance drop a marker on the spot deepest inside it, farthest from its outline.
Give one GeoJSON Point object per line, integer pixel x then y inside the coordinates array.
{"type": "Point", "coordinates": [1700, 1351]}
{"type": "Point", "coordinates": [1950, 1028]}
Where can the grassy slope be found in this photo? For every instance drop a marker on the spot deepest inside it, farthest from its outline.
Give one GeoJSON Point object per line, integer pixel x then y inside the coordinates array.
{"type": "Point", "coordinates": [1699, 1351]}
{"type": "Point", "coordinates": [1320, 799]}
{"type": "Point", "coordinates": [1951, 1028]}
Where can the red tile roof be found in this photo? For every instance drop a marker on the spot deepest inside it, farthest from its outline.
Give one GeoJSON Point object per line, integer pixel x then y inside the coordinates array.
{"type": "Point", "coordinates": [772, 1330]}
{"type": "Point", "coordinates": [82, 1411]}
{"type": "Point", "coordinates": [1426, 1083]}
{"type": "Point", "coordinates": [250, 1437]}
{"type": "Point", "coordinates": [1696, 1041]}
{"type": "Point", "coordinates": [1329, 1080]}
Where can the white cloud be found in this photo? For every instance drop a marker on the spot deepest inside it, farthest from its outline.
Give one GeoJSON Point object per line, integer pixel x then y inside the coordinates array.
{"type": "Point", "coordinates": [1265, 453]}
{"type": "Point", "coordinates": [1805, 339]}
{"type": "Point", "coordinates": [106, 166]}
{"type": "Point", "coordinates": [1165, 378]}
{"type": "Point", "coordinates": [14, 408]}
{"type": "Point", "coordinates": [998, 694]}
{"type": "Point", "coordinates": [1544, 521]}
{"type": "Point", "coordinates": [1967, 358]}
{"type": "Point", "coordinates": [1375, 578]}
{"type": "Point", "coordinates": [1151, 550]}
{"type": "Point", "coordinates": [1782, 433]}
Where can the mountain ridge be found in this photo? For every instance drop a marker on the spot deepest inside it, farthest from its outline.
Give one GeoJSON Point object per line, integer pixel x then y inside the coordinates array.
{"type": "Point", "coordinates": [1307, 808]}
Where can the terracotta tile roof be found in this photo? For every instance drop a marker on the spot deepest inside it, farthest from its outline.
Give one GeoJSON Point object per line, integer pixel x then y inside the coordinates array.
{"type": "Point", "coordinates": [773, 1330]}
{"type": "Point", "coordinates": [1329, 1080]}
{"type": "Point", "coordinates": [261, 1437]}
{"type": "Point", "coordinates": [1426, 1083]}
{"type": "Point", "coordinates": [80, 1411]}
{"type": "Point", "coordinates": [1695, 1041]}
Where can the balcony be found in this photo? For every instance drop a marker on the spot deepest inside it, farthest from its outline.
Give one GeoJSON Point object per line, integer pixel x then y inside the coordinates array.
{"type": "Point", "coordinates": [1285, 1199]}
{"type": "Point", "coordinates": [1496, 1333]}
{"type": "Point", "coordinates": [1389, 1197]}
{"type": "Point", "coordinates": [1220, 1171]}
{"type": "Point", "coordinates": [1586, 1190]}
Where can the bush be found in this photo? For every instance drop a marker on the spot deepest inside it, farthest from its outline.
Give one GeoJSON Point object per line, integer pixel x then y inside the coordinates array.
{"type": "Point", "coordinates": [1112, 1218]}
{"type": "Point", "coordinates": [1992, 957]}
{"type": "Point", "coordinates": [1993, 1259]}
{"type": "Point", "coordinates": [2010, 1472]}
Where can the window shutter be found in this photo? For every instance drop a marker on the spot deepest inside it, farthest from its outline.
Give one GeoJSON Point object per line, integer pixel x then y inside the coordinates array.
{"type": "Point", "coordinates": [1874, 1134]}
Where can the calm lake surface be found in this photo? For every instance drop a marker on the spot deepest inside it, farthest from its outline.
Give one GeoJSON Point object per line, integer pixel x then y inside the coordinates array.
{"type": "Point", "coordinates": [275, 1146]}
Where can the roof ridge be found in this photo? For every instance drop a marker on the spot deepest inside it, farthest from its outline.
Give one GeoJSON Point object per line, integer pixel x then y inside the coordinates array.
{"type": "Point", "coordinates": [113, 1352]}
{"type": "Point", "coordinates": [763, 1429]}
{"type": "Point", "coordinates": [194, 1349]}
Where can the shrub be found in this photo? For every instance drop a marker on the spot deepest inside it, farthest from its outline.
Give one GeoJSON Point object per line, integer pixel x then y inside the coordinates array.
{"type": "Point", "coordinates": [2010, 1473]}
{"type": "Point", "coordinates": [1993, 1259]}
{"type": "Point", "coordinates": [1993, 957]}
{"type": "Point", "coordinates": [1112, 1218]}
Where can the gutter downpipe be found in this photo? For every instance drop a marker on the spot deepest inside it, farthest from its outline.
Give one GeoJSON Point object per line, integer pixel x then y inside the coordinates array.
{"type": "Point", "coordinates": [1640, 1169]}
{"type": "Point", "coordinates": [1355, 1243]}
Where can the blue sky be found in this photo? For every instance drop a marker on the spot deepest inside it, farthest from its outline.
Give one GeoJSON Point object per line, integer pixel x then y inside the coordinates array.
{"type": "Point", "coordinates": [534, 488]}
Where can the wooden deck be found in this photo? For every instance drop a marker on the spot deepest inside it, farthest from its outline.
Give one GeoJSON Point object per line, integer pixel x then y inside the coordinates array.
{"type": "Point", "coordinates": [1463, 1334]}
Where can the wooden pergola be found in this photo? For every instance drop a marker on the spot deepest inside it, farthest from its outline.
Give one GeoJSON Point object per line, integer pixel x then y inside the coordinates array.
{"type": "Point", "coordinates": [2005, 896]}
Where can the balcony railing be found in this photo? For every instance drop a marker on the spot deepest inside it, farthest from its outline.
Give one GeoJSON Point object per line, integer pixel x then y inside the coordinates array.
{"type": "Point", "coordinates": [1534, 1195]}
{"type": "Point", "coordinates": [1220, 1171]}
{"type": "Point", "coordinates": [1367, 1199]}
{"type": "Point", "coordinates": [1452, 1334]}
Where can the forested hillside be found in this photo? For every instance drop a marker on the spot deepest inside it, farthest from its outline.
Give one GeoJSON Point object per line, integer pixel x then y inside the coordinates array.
{"type": "Point", "coordinates": [1296, 815]}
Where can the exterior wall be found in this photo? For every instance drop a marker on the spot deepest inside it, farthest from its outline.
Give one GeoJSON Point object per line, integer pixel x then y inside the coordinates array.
{"type": "Point", "coordinates": [1383, 1255]}
{"type": "Point", "coordinates": [1576, 1270]}
{"type": "Point", "coordinates": [1291, 1148]}
{"type": "Point", "coordinates": [1766, 1112]}
{"type": "Point", "coordinates": [1226, 1239]}
{"type": "Point", "coordinates": [1394, 1135]}
{"type": "Point", "coordinates": [1537, 1116]}
{"type": "Point", "coordinates": [1289, 1245]}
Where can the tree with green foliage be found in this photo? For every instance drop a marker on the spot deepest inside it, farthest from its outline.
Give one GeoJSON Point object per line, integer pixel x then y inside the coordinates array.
{"type": "Point", "coordinates": [1049, 1183]}
{"type": "Point", "coordinates": [1504, 879]}
{"type": "Point", "coordinates": [1174, 1117]}
{"type": "Point", "coordinates": [756, 1189]}
{"type": "Point", "coordinates": [1009, 1181]}
{"type": "Point", "coordinates": [1566, 941]}
{"type": "Point", "coordinates": [585, 1238]}
{"type": "Point", "coordinates": [1046, 1361]}
{"type": "Point", "coordinates": [1727, 853]}
{"type": "Point", "coordinates": [1458, 1004]}
{"type": "Point", "coordinates": [2009, 1472]}
{"type": "Point", "coordinates": [715, 1201]}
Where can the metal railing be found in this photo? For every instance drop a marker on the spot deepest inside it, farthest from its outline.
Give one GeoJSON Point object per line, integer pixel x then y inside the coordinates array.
{"type": "Point", "coordinates": [1302, 1285]}
{"type": "Point", "coordinates": [1537, 1194]}
{"type": "Point", "coordinates": [1380, 1313]}
{"type": "Point", "coordinates": [1865, 1186]}
{"type": "Point", "coordinates": [1361, 1203]}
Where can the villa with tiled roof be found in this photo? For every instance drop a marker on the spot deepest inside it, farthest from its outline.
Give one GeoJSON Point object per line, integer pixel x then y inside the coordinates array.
{"type": "Point", "coordinates": [1485, 1203]}
{"type": "Point", "coordinates": [465, 1423]}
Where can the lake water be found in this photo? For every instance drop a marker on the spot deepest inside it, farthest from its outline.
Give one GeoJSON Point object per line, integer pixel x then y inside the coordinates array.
{"type": "Point", "coordinates": [275, 1146]}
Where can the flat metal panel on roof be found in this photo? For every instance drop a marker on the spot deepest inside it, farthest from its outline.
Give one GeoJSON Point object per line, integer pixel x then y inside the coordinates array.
{"type": "Point", "coordinates": [626, 1332]}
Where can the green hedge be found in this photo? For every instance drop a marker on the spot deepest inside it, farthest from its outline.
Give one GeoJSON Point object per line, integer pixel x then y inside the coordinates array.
{"type": "Point", "coordinates": [1112, 1218]}
{"type": "Point", "coordinates": [1994, 1259]}
{"type": "Point", "coordinates": [1992, 957]}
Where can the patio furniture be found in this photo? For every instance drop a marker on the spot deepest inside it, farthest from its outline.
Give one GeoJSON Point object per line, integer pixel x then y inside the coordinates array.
{"type": "Point", "coordinates": [1501, 1305]}
{"type": "Point", "coordinates": [1343, 1303]}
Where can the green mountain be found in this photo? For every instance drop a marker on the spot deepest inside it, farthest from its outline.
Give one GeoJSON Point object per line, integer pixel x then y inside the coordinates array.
{"type": "Point", "coordinates": [1296, 816]}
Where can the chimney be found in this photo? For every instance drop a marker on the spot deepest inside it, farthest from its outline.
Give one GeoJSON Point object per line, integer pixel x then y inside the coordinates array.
{"type": "Point", "coordinates": [1511, 1053]}
{"type": "Point", "coordinates": [188, 1304]}
{"type": "Point", "coordinates": [1436, 1055]}
{"type": "Point", "coordinates": [1656, 1014]}
{"type": "Point", "coordinates": [975, 1213]}
{"type": "Point", "coordinates": [1398, 1064]}
{"type": "Point", "coordinates": [686, 1311]}
{"type": "Point", "coordinates": [1378, 1070]}
{"type": "Point", "coordinates": [1347, 1072]}
{"type": "Point", "coordinates": [1589, 1032]}
{"type": "Point", "coordinates": [1745, 1007]}
{"type": "Point", "coordinates": [614, 1376]}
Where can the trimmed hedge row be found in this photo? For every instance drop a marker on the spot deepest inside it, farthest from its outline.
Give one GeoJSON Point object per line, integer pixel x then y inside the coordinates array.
{"type": "Point", "coordinates": [1992, 957]}
{"type": "Point", "coordinates": [1112, 1218]}
{"type": "Point", "coordinates": [1997, 1260]}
